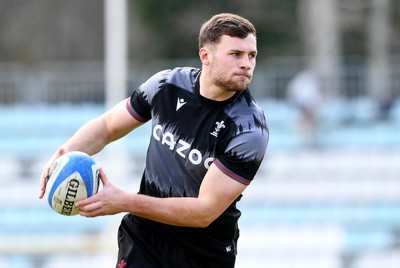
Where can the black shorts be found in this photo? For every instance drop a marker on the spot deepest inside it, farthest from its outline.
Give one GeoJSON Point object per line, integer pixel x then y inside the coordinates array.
{"type": "Point", "coordinates": [140, 248]}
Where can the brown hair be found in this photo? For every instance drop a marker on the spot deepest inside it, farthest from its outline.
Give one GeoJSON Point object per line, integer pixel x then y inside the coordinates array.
{"type": "Point", "coordinates": [224, 24]}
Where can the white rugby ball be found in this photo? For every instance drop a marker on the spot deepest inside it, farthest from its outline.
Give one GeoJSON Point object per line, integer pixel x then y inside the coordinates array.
{"type": "Point", "coordinates": [74, 176]}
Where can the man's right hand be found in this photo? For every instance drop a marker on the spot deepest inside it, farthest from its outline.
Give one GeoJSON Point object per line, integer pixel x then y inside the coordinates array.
{"type": "Point", "coordinates": [44, 177]}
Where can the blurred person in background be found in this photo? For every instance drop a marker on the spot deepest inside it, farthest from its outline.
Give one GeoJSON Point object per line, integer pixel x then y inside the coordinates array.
{"type": "Point", "coordinates": [304, 93]}
{"type": "Point", "coordinates": [207, 142]}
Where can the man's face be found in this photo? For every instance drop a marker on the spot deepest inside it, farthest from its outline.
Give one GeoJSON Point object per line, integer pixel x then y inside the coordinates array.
{"type": "Point", "coordinates": [232, 62]}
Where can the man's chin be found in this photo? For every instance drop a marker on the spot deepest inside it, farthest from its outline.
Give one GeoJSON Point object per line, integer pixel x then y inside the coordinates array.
{"type": "Point", "coordinates": [242, 86]}
{"type": "Point", "coordinates": [236, 86]}
{"type": "Point", "coordinates": [243, 83]}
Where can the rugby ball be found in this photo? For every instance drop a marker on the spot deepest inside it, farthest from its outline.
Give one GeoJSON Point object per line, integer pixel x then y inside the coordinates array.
{"type": "Point", "coordinates": [74, 176]}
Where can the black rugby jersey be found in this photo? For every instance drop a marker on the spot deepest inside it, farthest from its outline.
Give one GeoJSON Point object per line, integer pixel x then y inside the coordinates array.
{"type": "Point", "coordinates": [189, 133]}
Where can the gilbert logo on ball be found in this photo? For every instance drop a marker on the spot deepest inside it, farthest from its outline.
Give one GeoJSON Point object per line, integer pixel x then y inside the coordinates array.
{"type": "Point", "coordinates": [74, 176]}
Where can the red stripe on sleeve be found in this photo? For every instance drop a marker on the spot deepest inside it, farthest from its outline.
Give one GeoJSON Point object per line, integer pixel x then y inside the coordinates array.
{"type": "Point", "coordinates": [231, 174]}
{"type": "Point", "coordinates": [133, 112]}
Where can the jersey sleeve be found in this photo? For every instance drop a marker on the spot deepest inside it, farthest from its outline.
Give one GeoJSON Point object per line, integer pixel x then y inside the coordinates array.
{"type": "Point", "coordinates": [138, 108]}
{"type": "Point", "coordinates": [243, 155]}
{"type": "Point", "coordinates": [139, 104]}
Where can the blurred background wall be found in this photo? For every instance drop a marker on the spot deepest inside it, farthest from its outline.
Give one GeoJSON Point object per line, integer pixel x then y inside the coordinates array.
{"type": "Point", "coordinates": [327, 77]}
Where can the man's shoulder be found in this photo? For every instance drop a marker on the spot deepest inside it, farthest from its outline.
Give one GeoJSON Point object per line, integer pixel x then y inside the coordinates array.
{"type": "Point", "coordinates": [246, 112]}
{"type": "Point", "coordinates": [247, 105]}
{"type": "Point", "coordinates": [183, 77]}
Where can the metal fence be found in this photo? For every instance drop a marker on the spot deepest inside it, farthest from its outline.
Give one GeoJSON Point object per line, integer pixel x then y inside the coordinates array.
{"type": "Point", "coordinates": [83, 82]}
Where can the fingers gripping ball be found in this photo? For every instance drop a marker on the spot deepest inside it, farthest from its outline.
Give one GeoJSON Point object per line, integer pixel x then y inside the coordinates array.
{"type": "Point", "coordinates": [74, 176]}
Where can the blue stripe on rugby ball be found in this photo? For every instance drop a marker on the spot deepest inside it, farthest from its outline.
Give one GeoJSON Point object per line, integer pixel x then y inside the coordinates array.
{"type": "Point", "coordinates": [69, 164]}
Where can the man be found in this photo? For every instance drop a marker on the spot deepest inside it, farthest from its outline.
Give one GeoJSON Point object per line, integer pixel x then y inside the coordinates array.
{"type": "Point", "coordinates": [208, 140]}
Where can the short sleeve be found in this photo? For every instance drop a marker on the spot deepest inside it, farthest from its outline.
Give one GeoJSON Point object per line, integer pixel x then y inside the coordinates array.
{"type": "Point", "coordinates": [138, 107]}
{"type": "Point", "coordinates": [244, 154]}
{"type": "Point", "coordinates": [139, 104]}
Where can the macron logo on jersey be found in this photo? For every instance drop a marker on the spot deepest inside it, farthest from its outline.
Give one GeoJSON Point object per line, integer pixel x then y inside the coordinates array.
{"type": "Point", "coordinates": [180, 103]}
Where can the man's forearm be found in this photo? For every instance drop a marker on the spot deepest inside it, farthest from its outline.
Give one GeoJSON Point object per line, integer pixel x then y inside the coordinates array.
{"type": "Point", "coordinates": [91, 138]}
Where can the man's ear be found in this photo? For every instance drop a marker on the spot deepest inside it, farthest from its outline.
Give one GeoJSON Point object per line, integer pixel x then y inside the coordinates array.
{"type": "Point", "coordinates": [204, 55]}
